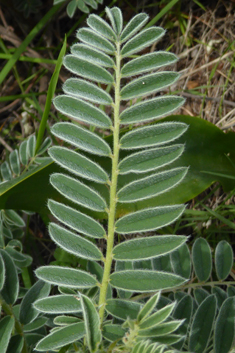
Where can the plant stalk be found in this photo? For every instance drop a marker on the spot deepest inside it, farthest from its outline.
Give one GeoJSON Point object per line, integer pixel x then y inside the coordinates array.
{"type": "Point", "coordinates": [113, 191]}
{"type": "Point", "coordinates": [18, 327]}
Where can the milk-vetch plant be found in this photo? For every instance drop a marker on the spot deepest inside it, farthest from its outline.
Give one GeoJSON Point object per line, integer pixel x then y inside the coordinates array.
{"type": "Point", "coordinates": [108, 80]}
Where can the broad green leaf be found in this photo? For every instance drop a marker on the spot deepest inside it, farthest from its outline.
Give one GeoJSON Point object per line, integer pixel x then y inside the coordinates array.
{"type": "Point", "coordinates": [61, 337]}
{"type": "Point", "coordinates": [151, 109]}
{"type": "Point", "coordinates": [181, 261]}
{"type": "Point", "coordinates": [148, 62]}
{"type": "Point", "coordinates": [100, 26]}
{"type": "Point", "coordinates": [223, 259]}
{"type": "Point", "coordinates": [153, 135]}
{"type": "Point", "coordinates": [15, 162]}
{"type": "Point", "coordinates": [87, 69]}
{"type": "Point", "coordinates": [123, 309]}
{"type": "Point", "coordinates": [147, 247]}
{"type": "Point", "coordinates": [133, 26]}
{"type": "Point", "coordinates": [36, 324]}
{"type": "Point", "coordinates": [82, 111]}
{"type": "Point", "coordinates": [142, 40]}
{"type": "Point", "coordinates": [64, 320]}
{"type": "Point", "coordinates": [148, 307]}
{"type": "Point", "coordinates": [77, 192]}
{"type": "Point", "coordinates": [6, 327]}
{"type": "Point", "coordinates": [144, 280]}
{"type": "Point", "coordinates": [148, 219]}
{"type": "Point", "coordinates": [27, 312]}
{"type": "Point", "coordinates": [92, 323]}
{"type": "Point", "coordinates": [200, 157]}
{"type": "Point", "coordinates": [59, 304]}
{"type": "Point", "coordinates": [113, 332]}
{"type": "Point", "coordinates": [90, 37]}
{"type": "Point", "coordinates": [92, 55]}
{"type": "Point", "coordinates": [10, 289]}
{"type": "Point", "coordinates": [150, 159]}
{"type": "Point", "coordinates": [16, 344]}
{"type": "Point", "coordinates": [202, 260]}
{"type": "Point", "coordinates": [68, 277]}
{"type": "Point", "coordinates": [161, 329]}
{"type": "Point", "coordinates": [183, 311]}
{"type": "Point", "coordinates": [76, 220]}
{"type": "Point", "coordinates": [224, 327]}
{"type": "Point", "coordinates": [158, 317]}
{"type": "Point", "coordinates": [115, 17]}
{"type": "Point", "coordinates": [78, 164]}
{"type": "Point", "coordinates": [202, 325]}
{"type": "Point", "coordinates": [86, 90]}
{"type": "Point", "coordinates": [73, 243]}
{"type": "Point", "coordinates": [152, 185]}
{"type": "Point", "coordinates": [81, 138]}
{"type": "Point", "coordinates": [23, 152]}
{"type": "Point", "coordinates": [31, 144]}
{"type": "Point", "coordinates": [2, 272]}
{"type": "Point", "coordinates": [148, 84]}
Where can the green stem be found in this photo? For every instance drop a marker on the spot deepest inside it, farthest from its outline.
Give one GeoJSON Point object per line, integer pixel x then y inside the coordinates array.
{"type": "Point", "coordinates": [113, 191]}
{"type": "Point", "coordinates": [186, 286]}
{"type": "Point", "coordinates": [18, 327]}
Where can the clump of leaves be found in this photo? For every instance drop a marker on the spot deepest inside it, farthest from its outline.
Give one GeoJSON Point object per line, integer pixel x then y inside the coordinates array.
{"type": "Point", "coordinates": [82, 5]}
